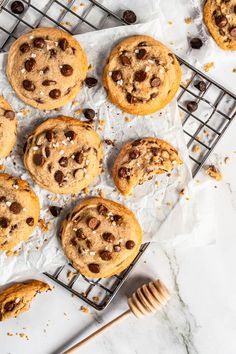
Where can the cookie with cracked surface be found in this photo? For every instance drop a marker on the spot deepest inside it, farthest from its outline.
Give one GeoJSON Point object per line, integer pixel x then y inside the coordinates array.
{"type": "Point", "coordinates": [141, 75]}
{"type": "Point", "coordinates": [139, 160]}
{"type": "Point", "coordinates": [8, 125]}
{"type": "Point", "coordinates": [220, 19]}
{"type": "Point", "coordinates": [100, 237]}
{"type": "Point", "coordinates": [19, 211]}
{"type": "Point", "coordinates": [46, 67]}
{"type": "Point", "coordinates": [17, 298]}
{"type": "Point", "coordinates": [63, 155]}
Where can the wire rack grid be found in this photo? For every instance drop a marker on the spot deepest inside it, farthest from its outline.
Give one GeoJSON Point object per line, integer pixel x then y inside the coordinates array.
{"type": "Point", "coordinates": [203, 128]}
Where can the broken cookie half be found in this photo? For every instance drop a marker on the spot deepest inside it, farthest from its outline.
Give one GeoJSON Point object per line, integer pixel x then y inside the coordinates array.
{"type": "Point", "coordinates": [139, 160]}
{"type": "Point", "coordinates": [17, 298]}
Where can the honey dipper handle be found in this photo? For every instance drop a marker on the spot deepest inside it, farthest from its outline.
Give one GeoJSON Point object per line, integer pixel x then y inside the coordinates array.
{"type": "Point", "coordinates": [99, 331]}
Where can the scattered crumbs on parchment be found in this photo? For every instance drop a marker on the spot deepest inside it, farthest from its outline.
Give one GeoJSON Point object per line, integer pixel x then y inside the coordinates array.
{"type": "Point", "coordinates": [102, 122]}
{"type": "Point", "coordinates": [16, 253]}
{"type": "Point", "coordinates": [24, 335]}
{"type": "Point", "coordinates": [188, 20]}
{"type": "Point", "coordinates": [83, 294]}
{"type": "Point", "coordinates": [185, 83]}
{"type": "Point", "coordinates": [86, 190]}
{"type": "Point", "coordinates": [9, 253]}
{"type": "Point", "coordinates": [90, 67]}
{"type": "Point", "coordinates": [234, 70]}
{"type": "Point", "coordinates": [84, 309]}
{"type": "Point", "coordinates": [78, 111]}
{"type": "Point", "coordinates": [169, 204]}
{"type": "Point", "coordinates": [24, 111]}
{"type": "Point", "coordinates": [206, 132]}
{"type": "Point", "coordinates": [66, 23]}
{"type": "Point", "coordinates": [226, 160]}
{"type": "Point", "coordinates": [10, 334]}
{"type": "Point", "coordinates": [82, 4]}
{"type": "Point", "coordinates": [187, 198]}
{"type": "Point", "coordinates": [2, 167]}
{"type": "Point", "coordinates": [101, 193]}
{"type": "Point", "coordinates": [70, 275]}
{"type": "Point", "coordinates": [96, 298]}
{"type": "Point", "coordinates": [157, 183]}
{"type": "Point", "coordinates": [43, 225]}
{"type": "Point", "coordinates": [208, 66]}
{"type": "Point", "coordinates": [198, 138]}
{"type": "Point", "coordinates": [128, 119]}
{"type": "Point", "coordinates": [74, 103]}
{"type": "Point", "coordinates": [170, 23]}
{"type": "Point", "coordinates": [214, 172]}
{"type": "Point", "coordinates": [181, 193]}
{"type": "Point", "coordinates": [109, 142]}
{"type": "Point", "coordinates": [75, 8]}
{"type": "Point", "coordinates": [196, 148]}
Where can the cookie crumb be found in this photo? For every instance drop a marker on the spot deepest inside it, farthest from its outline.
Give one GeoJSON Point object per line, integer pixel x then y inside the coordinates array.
{"type": "Point", "coordinates": [75, 8]}
{"type": "Point", "coordinates": [181, 193]}
{"type": "Point", "coordinates": [23, 335]}
{"type": "Point", "coordinates": [24, 111]}
{"type": "Point", "coordinates": [43, 225]}
{"type": "Point", "coordinates": [9, 253]}
{"type": "Point", "coordinates": [196, 148]}
{"type": "Point", "coordinates": [86, 190]}
{"type": "Point", "coordinates": [70, 275]}
{"type": "Point", "coordinates": [96, 298]}
{"type": "Point", "coordinates": [213, 172]}
{"type": "Point", "coordinates": [10, 334]}
{"type": "Point", "coordinates": [84, 309]}
{"type": "Point", "coordinates": [109, 142]}
{"type": "Point", "coordinates": [170, 23]}
{"type": "Point", "coordinates": [234, 71]}
{"type": "Point", "coordinates": [208, 66]}
{"type": "Point", "coordinates": [2, 167]}
{"type": "Point", "coordinates": [90, 67]}
{"type": "Point", "coordinates": [188, 20]}
{"type": "Point", "coordinates": [127, 119]}
{"type": "Point", "coordinates": [226, 160]}
{"type": "Point", "coordinates": [78, 111]}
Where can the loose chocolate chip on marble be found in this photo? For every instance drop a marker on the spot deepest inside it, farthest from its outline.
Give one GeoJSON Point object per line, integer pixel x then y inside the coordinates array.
{"type": "Point", "coordinates": [38, 159]}
{"type": "Point", "coordinates": [63, 44]}
{"type": "Point", "coordinates": [106, 255]}
{"type": "Point", "coordinates": [155, 82]}
{"type": "Point", "coordinates": [49, 82]}
{"type": "Point", "coordinates": [118, 219]}
{"type": "Point", "coordinates": [39, 42]}
{"type": "Point", "coordinates": [130, 244]}
{"type": "Point", "coordinates": [79, 157]}
{"type": "Point", "coordinates": [108, 237]}
{"type": "Point", "coordinates": [89, 113]}
{"type": "Point", "coordinates": [9, 306]}
{"type": "Point", "coordinates": [70, 135]}
{"type": "Point", "coordinates": [125, 60]}
{"type": "Point", "coordinates": [233, 32]}
{"type": "Point", "coordinates": [9, 114]}
{"type": "Point", "coordinates": [24, 48]}
{"type": "Point", "coordinates": [131, 99]}
{"type": "Point", "coordinates": [59, 176]}
{"type": "Point", "coordinates": [196, 43]}
{"type": "Point", "coordinates": [93, 223]}
{"type": "Point", "coordinates": [80, 234]}
{"type": "Point", "coordinates": [49, 135]}
{"type": "Point", "coordinates": [124, 172]}
{"type": "Point", "coordinates": [54, 94]}
{"type": "Point", "coordinates": [52, 53]}
{"type": "Point", "coordinates": [30, 64]}
{"type": "Point", "coordinates": [66, 70]}
{"type": "Point", "coordinates": [155, 151]}
{"type": "Point", "coordinates": [30, 221]}
{"type": "Point", "coordinates": [221, 21]}
{"type": "Point", "coordinates": [116, 75]}
{"type": "Point", "coordinates": [55, 210]}
{"type": "Point", "coordinates": [15, 208]}
{"type": "Point", "coordinates": [28, 85]}
{"type": "Point", "coordinates": [192, 106]}
{"type": "Point", "coordinates": [91, 81]}
{"type": "Point", "coordinates": [201, 86]}
{"type": "Point", "coordinates": [142, 54]}
{"type": "Point", "coordinates": [134, 154]}
{"type": "Point", "coordinates": [3, 199]}
{"type": "Point", "coordinates": [63, 162]}
{"type": "Point", "coordinates": [140, 75]}
{"type": "Point", "coordinates": [116, 248]}
{"type": "Point", "coordinates": [4, 222]}
{"type": "Point", "coordinates": [102, 209]}
{"type": "Point", "coordinates": [94, 267]}
{"type": "Point", "coordinates": [129, 16]}
{"type": "Point", "coordinates": [17, 7]}
{"type": "Point", "coordinates": [47, 152]}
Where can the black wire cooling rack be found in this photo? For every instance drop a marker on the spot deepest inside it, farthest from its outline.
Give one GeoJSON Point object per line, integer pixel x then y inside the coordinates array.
{"type": "Point", "coordinates": [203, 128]}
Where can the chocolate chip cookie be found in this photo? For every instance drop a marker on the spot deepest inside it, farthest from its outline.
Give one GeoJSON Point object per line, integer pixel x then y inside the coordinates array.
{"type": "Point", "coordinates": [8, 126]}
{"type": "Point", "coordinates": [100, 237]}
{"type": "Point", "coordinates": [140, 160]}
{"type": "Point", "coordinates": [141, 75]}
{"type": "Point", "coordinates": [220, 19]}
{"type": "Point", "coordinates": [19, 211]}
{"type": "Point", "coordinates": [46, 67]}
{"type": "Point", "coordinates": [17, 298]}
{"type": "Point", "coordinates": [63, 155]}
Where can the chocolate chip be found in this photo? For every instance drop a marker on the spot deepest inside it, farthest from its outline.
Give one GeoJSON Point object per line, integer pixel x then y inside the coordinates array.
{"type": "Point", "coordinates": [66, 70]}
{"type": "Point", "coordinates": [94, 267]}
{"type": "Point", "coordinates": [10, 305]}
{"type": "Point", "coordinates": [45, 70]}
{"type": "Point", "coordinates": [130, 244]}
{"type": "Point", "coordinates": [25, 147]}
{"type": "Point", "coordinates": [118, 219]}
{"type": "Point", "coordinates": [93, 223]}
{"type": "Point", "coordinates": [154, 95]}
{"type": "Point", "coordinates": [196, 43]}
{"type": "Point", "coordinates": [79, 157]}
{"type": "Point", "coordinates": [17, 7]}
{"type": "Point", "coordinates": [233, 32]}
{"type": "Point", "coordinates": [48, 82]}
{"type": "Point", "coordinates": [25, 48]}
{"type": "Point", "coordinates": [129, 16]}
{"type": "Point", "coordinates": [142, 54]}
{"type": "Point", "coordinates": [91, 81]}
{"type": "Point", "coordinates": [221, 21]}
{"type": "Point", "coordinates": [55, 210]}
{"type": "Point", "coordinates": [52, 53]}
{"type": "Point", "coordinates": [30, 221]}
{"type": "Point", "coordinates": [80, 234]}
{"type": "Point", "coordinates": [39, 42]}
{"type": "Point", "coordinates": [125, 60]}
{"type": "Point", "coordinates": [70, 135]}
{"type": "Point", "coordinates": [116, 248]}
{"type": "Point", "coordinates": [116, 75]}
{"type": "Point", "coordinates": [106, 255]}
{"type": "Point", "coordinates": [73, 242]}
{"type": "Point", "coordinates": [142, 44]}
{"type": "Point", "coordinates": [38, 159]}
{"type": "Point", "coordinates": [30, 64]}
{"type": "Point", "coordinates": [28, 85]}
{"type": "Point", "coordinates": [49, 135]}
{"type": "Point", "coordinates": [59, 176]}
{"type": "Point", "coordinates": [4, 222]}
{"type": "Point", "coordinates": [124, 172]}
{"type": "Point", "coordinates": [47, 152]}
{"type": "Point", "coordinates": [54, 94]}
{"type": "Point", "coordinates": [134, 154]}
{"type": "Point", "coordinates": [15, 207]}
{"type": "Point", "coordinates": [102, 209]}
{"type": "Point", "coordinates": [108, 237]}
{"type": "Point", "coordinates": [201, 86]}
{"type": "Point", "coordinates": [89, 113]}
{"type": "Point", "coordinates": [155, 151]}
{"type": "Point", "coordinates": [3, 199]}
{"type": "Point", "coordinates": [63, 44]}
{"type": "Point", "coordinates": [140, 76]}
{"type": "Point", "coordinates": [192, 106]}
{"type": "Point", "coordinates": [155, 82]}
{"type": "Point", "coordinates": [63, 162]}
{"type": "Point", "coordinates": [131, 99]}
{"type": "Point", "coordinates": [9, 114]}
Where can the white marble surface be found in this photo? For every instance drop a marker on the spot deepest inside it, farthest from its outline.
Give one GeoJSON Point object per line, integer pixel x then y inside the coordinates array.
{"type": "Point", "coordinates": [201, 316]}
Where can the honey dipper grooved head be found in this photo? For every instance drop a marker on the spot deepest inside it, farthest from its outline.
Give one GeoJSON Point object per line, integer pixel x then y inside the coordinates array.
{"type": "Point", "coordinates": [148, 299]}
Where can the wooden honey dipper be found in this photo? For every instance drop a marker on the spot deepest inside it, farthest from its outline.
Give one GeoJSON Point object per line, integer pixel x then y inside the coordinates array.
{"type": "Point", "coordinates": [146, 300]}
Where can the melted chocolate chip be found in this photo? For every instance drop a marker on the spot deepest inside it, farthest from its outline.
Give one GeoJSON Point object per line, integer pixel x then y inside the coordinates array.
{"type": "Point", "coordinates": [89, 113]}
{"type": "Point", "coordinates": [154, 95]}
{"type": "Point", "coordinates": [94, 268]}
{"type": "Point", "coordinates": [93, 223]}
{"type": "Point", "coordinates": [155, 82]}
{"type": "Point", "coordinates": [192, 106]}
{"type": "Point", "coordinates": [70, 135]}
{"type": "Point", "coordinates": [3, 199]}
{"type": "Point", "coordinates": [73, 242]}
{"type": "Point", "coordinates": [124, 172]}
{"type": "Point", "coordinates": [66, 70]}
{"type": "Point", "coordinates": [196, 43]}
{"type": "Point", "coordinates": [106, 255]}
{"type": "Point", "coordinates": [80, 234]}
{"type": "Point", "coordinates": [116, 75]}
{"type": "Point", "coordinates": [28, 85]}
{"type": "Point", "coordinates": [17, 7]}
{"type": "Point", "coordinates": [155, 151]}
{"type": "Point", "coordinates": [142, 44]}
{"type": "Point", "coordinates": [52, 53]}
{"type": "Point", "coordinates": [39, 42]}
{"type": "Point", "coordinates": [59, 176]}
{"type": "Point", "coordinates": [134, 154]}
{"type": "Point", "coordinates": [54, 94]}
{"type": "Point", "coordinates": [130, 244]}
{"type": "Point", "coordinates": [102, 209]}
{"type": "Point", "coordinates": [79, 157]}
{"type": "Point", "coordinates": [125, 60]}
{"type": "Point", "coordinates": [25, 48]}
{"type": "Point", "coordinates": [15, 208]}
{"type": "Point", "coordinates": [118, 219]}
{"type": "Point", "coordinates": [63, 44]}
{"type": "Point", "coordinates": [55, 210]}
{"type": "Point", "coordinates": [63, 162]}
{"type": "Point", "coordinates": [129, 16]}
{"type": "Point", "coordinates": [116, 248]}
{"type": "Point", "coordinates": [142, 54]}
{"type": "Point", "coordinates": [4, 222]}
{"type": "Point", "coordinates": [9, 114]}
{"type": "Point", "coordinates": [47, 152]}
{"type": "Point", "coordinates": [233, 32]}
{"type": "Point", "coordinates": [38, 159]}
{"type": "Point", "coordinates": [30, 64]}
{"type": "Point", "coordinates": [10, 305]}
{"type": "Point", "coordinates": [131, 99]}
{"type": "Point", "coordinates": [49, 135]}
{"type": "Point", "coordinates": [88, 243]}
{"type": "Point", "coordinates": [108, 237]}
{"type": "Point", "coordinates": [49, 82]}
{"type": "Point", "coordinates": [140, 76]}
{"type": "Point", "coordinates": [109, 142]}
{"type": "Point", "coordinates": [201, 86]}
{"type": "Point", "coordinates": [46, 69]}
{"type": "Point", "coordinates": [221, 21]}
{"type": "Point", "coordinates": [91, 81]}
{"type": "Point", "coordinates": [30, 221]}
